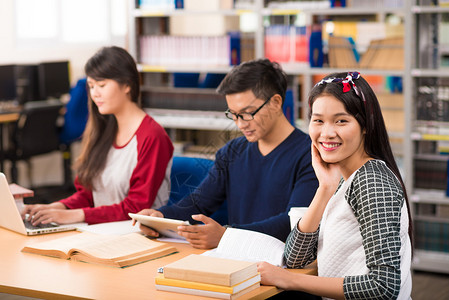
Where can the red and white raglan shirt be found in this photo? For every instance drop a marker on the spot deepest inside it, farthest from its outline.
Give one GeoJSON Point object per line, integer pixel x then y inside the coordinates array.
{"type": "Point", "coordinates": [136, 176]}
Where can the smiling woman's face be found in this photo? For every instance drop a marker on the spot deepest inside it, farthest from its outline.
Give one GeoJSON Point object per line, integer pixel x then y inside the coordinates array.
{"type": "Point", "coordinates": [335, 133]}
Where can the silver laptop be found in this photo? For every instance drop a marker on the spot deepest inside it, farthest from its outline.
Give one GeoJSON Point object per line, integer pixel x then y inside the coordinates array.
{"type": "Point", "coordinates": [11, 219]}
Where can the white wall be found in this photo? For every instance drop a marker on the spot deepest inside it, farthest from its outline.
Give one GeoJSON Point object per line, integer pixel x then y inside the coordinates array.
{"type": "Point", "coordinates": [13, 52]}
{"type": "Point", "coordinates": [46, 169]}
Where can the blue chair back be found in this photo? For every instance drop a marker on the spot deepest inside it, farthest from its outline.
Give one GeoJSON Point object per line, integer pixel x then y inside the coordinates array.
{"type": "Point", "coordinates": [76, 115]}
{"type": "Point", "coordinates": [186, 175]}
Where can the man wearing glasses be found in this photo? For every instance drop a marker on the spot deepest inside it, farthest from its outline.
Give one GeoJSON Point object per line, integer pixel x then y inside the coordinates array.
{"type": "Point", "coordinates": [260, 175]}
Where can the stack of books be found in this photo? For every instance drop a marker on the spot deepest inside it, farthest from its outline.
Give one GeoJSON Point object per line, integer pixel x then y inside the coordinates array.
{"type": "Point", "coordinates": [209, 276]}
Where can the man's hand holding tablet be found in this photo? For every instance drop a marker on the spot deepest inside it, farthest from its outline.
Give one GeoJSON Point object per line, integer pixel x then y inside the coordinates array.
{"type": "Point", "coordinates": [154, 224]}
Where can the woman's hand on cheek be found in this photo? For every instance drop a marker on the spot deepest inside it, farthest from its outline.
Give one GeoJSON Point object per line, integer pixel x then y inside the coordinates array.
{"type": "Point", "coordinates": [328, 174]}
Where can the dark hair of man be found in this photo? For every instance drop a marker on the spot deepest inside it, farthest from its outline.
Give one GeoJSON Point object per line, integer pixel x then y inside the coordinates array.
{"type": "Point", "coordinates": [369, 116]}
{"type": "Point", "coordinates": [108, 63]}
{"type": "Point", "coordinates": [262, 77]}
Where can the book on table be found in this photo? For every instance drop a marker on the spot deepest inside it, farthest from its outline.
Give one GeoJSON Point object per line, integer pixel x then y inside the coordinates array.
{"type": "Point", "coordinates": [233, 261]}
{"type": "Point", "coordinates": [212, 270]}
{"type": "Point", "coordinates": [204, 293]}
{"type": "Point", "coordinates": [248, 245]}
{"type": "Point", "coordinates": [209, 276]}
{"type": "Point", "coordinates": [233, 289]}
{"type": "Point", "coordinates": [226, 271]}
{"type": "Point", "coordinates": [111, 250]}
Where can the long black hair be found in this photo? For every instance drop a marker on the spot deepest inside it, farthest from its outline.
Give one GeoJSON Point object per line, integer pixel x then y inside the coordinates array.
{"type": "Point", "coordinates": [361, 102]}
{"type": "Point", "coordinates": [108, 63]}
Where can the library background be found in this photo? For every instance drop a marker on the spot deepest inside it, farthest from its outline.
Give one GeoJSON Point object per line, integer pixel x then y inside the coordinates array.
{"type": "Point", "coordinates": [184, 49]}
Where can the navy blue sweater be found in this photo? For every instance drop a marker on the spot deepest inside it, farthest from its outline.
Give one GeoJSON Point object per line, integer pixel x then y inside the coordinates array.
{"type": "Point", "coordinates": [259, 189]}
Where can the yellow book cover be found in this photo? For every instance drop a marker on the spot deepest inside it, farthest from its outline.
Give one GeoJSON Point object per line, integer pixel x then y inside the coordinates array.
{"type": "Point", "coordinates": [161, 280]}
{"type": "Point", "coordinates": [204, 293]}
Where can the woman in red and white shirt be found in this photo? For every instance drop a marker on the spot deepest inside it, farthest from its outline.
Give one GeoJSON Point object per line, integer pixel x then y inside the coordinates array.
{"type": "Point", "coordinates": [126, 156]}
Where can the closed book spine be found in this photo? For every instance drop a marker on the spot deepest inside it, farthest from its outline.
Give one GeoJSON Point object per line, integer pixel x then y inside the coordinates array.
{"type": "Point", "coordinates": [161, 280]}
{"type": "Point", "coordinates": [213, 270]}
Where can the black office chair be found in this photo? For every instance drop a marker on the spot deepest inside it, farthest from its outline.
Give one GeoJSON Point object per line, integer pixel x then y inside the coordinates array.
{"type": "Point", "coordinates": [35, 133]}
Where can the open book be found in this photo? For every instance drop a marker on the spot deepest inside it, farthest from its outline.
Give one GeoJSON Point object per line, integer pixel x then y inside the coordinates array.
{"type": "Point", "coordinates": [117, 251]}
{"type": "Point", "coordinates": [241, 244]}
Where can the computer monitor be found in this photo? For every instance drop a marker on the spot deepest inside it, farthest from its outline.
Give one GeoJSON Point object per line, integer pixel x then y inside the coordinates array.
{"type": "Point", "coordinates": [27, 83]}
{"type": "Point", "coordinates": [54, 79]}
{"type": "Point", "coordinates": [7, 82]}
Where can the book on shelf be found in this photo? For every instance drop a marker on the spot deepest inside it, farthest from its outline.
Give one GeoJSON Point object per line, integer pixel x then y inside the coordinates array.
{"type": "Point", "coordinates": [211, 270]}
{"type": "Point", "coordinates": [161, 280]}
{"type": "Point", "coordinates": [432, 103]}
{"type": "Point", "coordinates": [169, 50]}
{"type": "Point", "coordinates": [316, 56]}
{"type": "Point", "coordinates": [204, 293]}
{"type": "Point", "coordinates": [287, 43]}
{"type": "Point", "coordinates": [110, 250]}
{"type": "Point", "coordinates": [443, 3]}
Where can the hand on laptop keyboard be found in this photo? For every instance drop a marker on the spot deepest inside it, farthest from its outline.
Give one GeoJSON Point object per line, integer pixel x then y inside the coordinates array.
{"type": "Point", "coordinates": [39, 226]}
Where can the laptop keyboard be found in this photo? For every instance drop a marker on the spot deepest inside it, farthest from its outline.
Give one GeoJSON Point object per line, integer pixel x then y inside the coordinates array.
{"type": "Point", "coordinates": [28, 225]}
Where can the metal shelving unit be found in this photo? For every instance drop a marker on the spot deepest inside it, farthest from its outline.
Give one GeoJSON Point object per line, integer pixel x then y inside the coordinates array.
{"type": "Point", "coordinates": [300, 74]}
{"type": "Point", "coordinates": [430, 205]}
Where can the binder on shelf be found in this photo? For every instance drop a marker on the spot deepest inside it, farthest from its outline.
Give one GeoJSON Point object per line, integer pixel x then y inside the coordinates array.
{"type": "Point", "coordinates": [447, 182]}
{"type": "Point", "coordinates": [338, 3]}
{"type": "Point", "coordinates": [286, 43]}
{"type": "Point", "coordinates": [288, 107]}
{"type": "Point", "coordinates": [157, 5]}
{"type": "Point", "coordinates": [211, 80]}
{"type": "Point", "coordinates": [235, 50]}
{"type": "Point", "coordinates": [185, 79]}
{"type": "Point", "coordinates": [432, 235]}
{"type": "Point", "coordinates": [302, 44]}
{"type": "Point", "coordinates": [316, 56]}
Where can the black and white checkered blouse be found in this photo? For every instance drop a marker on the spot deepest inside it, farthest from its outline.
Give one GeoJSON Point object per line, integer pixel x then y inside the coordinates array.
{"type": "Point", "coordinates": [376, 199]}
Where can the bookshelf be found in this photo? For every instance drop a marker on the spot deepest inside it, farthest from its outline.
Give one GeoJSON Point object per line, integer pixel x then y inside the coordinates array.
{"type": "Point", "coordinates": [422, 134]}
{"type": "Point", "coordinates": [429, 136]}
{"type": "Point", "coordinates": [156, 21]}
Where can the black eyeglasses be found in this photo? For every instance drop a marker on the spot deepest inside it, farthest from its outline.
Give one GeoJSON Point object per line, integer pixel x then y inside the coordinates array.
{"type": "Point", "coordinates": [244, 116]}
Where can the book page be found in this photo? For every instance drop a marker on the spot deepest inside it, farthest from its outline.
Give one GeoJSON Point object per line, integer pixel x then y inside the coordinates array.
{"type": "Point", "coordinates": [250, 246]}
{"type": "Point", "coordinates": [66, 243]}
{"type": "Point", "coordinates": [101, 246]}
{"type": "Point", "coordinates": [111, 228]}
{"type": "Point", "coordinates": [109, 247]}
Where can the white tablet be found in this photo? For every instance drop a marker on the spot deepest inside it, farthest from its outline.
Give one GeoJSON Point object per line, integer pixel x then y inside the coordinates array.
{"type": "Point", "coordinates": [166, 227]}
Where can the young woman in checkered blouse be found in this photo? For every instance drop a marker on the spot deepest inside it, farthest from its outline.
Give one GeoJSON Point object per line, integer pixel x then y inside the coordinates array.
{"type": "Point", "coordinates": [358, 225]}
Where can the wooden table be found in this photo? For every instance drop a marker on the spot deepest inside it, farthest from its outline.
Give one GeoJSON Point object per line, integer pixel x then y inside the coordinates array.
{"type": "Point", "coordinates": [52, 278]}
{"type": "Point", "coordinates": [8, 117]}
